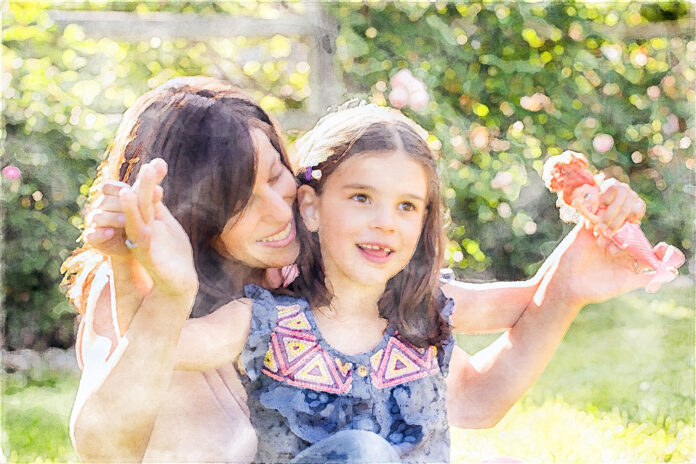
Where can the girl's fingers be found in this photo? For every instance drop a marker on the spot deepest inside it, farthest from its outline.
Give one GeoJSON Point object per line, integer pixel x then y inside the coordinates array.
{"type": "Point", "coordinates": [616, 214]}
{"type": "Point", "coordinates": [136, 229]}
{"type": "Point", "coordinates": [582, 209]}
{"type": "Point", "coordinates": [638, 208]}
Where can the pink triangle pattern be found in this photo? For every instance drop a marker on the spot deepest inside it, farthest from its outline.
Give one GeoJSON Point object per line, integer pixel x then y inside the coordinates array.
{"type": "Point", "coordinates": [400, 362]}
{"type": "Point", "coordinates": [295, 357]}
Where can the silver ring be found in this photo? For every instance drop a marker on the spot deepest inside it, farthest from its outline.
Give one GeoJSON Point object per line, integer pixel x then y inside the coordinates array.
{"type": "Point", "coordinates": [635, 266]}
{"type": "Point", "coordinates": [130, 245]}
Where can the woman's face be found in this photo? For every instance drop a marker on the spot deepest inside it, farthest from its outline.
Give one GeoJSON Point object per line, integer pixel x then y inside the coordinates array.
{"type": "Point", "coordinates": [263, 235]}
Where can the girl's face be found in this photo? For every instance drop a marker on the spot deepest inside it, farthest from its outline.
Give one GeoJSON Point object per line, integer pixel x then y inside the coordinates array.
{"type": "Point", "coordinates": [587, 194]}
{"type": "Point", "coordinates": [369, 217]}
{"type": "Point", "coordinates": [263, 235]}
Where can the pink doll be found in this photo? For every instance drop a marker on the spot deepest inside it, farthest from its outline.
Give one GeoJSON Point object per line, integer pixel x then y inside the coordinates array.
{"type": "Point", "coordinates": [569, 176]}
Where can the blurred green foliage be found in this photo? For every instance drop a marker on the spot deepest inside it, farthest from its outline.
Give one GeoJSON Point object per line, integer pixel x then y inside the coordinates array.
{"type": "Point", "coordinates": [482, 64]}
{"type": "Point", "coordinates": [63, 99]}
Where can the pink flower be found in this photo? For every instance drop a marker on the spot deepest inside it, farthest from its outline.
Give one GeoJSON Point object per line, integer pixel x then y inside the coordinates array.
{"type": "Point", "coordinates": [418, 100]}
{"type": "Point", "coordinates": [603, 143]}
{"type": "Point", "coordinates": [401, 78]}
{"type": "Point", "coordinates": [536, 102]}
{"type": "Point", "coordinates": [11, 172]}
{"type": "Point", "coordinates": [501, 180]}
{"type": "Point", "coordinates": [398, 97]}
{"type": "Point", "coordinates": [408, 90]}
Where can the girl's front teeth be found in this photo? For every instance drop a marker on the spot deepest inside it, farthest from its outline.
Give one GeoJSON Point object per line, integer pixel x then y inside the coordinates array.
{"type": "Point", "coordinates": [375, 247]}
{"type": "Point", "coordinates": [280, 235]}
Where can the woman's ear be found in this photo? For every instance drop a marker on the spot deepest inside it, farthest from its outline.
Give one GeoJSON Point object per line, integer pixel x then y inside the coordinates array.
{"type": "Point", "coordinates": [308, 203]}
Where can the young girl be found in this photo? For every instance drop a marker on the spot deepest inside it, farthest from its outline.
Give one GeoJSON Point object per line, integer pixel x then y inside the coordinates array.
{"type": "Point", "coordinates": [364, 342]}
{"type": "Point", "coordinates": [360, 351]}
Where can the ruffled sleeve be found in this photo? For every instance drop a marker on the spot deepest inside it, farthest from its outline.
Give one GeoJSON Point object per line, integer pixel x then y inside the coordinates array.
{"type": "Point", "coordinates": [264, 318]}
{"type": "Point", "coordinates": [444, 353]}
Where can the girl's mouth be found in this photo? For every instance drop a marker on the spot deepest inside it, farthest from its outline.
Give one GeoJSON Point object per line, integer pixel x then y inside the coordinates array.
{"type": "Point", "coordinates": [374, 252]}
{"type": "Point", "coordinates": [282, 238]}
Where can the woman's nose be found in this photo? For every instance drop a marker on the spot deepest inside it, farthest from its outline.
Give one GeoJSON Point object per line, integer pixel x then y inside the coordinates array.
{"type": "Point", "coordinates": [278, 206]}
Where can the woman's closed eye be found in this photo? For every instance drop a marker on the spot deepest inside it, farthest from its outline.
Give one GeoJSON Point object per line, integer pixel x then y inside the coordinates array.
{"type": "Point", "coordinates": [275, 176]}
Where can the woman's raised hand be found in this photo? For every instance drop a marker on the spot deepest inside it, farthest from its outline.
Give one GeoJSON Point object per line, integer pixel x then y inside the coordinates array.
{"type": "Point", "coordinates": [105, 223]}
{"type": "Point", "coordinates": [154, 236]}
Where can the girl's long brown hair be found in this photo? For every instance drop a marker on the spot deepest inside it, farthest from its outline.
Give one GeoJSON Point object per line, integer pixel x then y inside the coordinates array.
{"type": "Point", "coordinates": [201, 127]}
{"type": "Point", "coordinates": [412, 301]}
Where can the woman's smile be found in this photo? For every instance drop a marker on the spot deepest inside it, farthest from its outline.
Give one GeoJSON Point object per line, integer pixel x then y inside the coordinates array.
{"type": "Point", "coordinates": [282, 238]}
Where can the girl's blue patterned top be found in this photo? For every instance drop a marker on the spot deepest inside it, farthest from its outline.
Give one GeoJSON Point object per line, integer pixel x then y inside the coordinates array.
{"type": "Point", "coordinates": [301, 390]}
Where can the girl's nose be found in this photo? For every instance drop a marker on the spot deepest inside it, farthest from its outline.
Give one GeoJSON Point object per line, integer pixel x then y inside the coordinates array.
{"type": "Point", "coordinates": [384, 219]}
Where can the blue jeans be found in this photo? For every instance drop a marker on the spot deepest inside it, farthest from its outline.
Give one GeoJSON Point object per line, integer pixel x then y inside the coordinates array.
{"type": "Point", "coordinates": [349, 446]}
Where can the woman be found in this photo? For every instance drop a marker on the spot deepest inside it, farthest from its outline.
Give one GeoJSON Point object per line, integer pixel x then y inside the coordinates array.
{"type": "Point", "coordinates": [230, 189]}
{"type": "Point", "coordinates": [225, 156]}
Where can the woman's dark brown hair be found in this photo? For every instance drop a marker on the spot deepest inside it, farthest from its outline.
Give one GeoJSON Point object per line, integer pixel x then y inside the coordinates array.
{"type": "Point", "coordinates": [412, 301]}
{"type": "Point", "coordinates": [201, 127]}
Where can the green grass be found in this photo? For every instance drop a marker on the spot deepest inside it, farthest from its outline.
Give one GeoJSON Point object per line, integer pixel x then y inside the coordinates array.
{"type": "Point", "coordinates": [619, 389]}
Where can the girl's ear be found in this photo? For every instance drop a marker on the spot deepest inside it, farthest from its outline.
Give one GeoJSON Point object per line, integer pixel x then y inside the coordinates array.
{"type": "Point", "coordinates": [308, 202]}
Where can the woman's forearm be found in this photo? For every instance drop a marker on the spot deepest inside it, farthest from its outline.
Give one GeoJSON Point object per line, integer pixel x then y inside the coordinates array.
{"type": "Point", "coordinates": [131, 284]}
{"type": "Point", "coordinates": [118, 401]}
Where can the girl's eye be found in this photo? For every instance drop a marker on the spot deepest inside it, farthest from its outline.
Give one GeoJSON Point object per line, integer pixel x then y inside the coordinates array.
{"type": "Point", "coordinates": [407, 206]}
{"type": "Point", "coordinates": [361, 198]}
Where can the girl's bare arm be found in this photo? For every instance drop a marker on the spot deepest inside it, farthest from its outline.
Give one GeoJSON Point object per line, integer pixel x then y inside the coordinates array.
{"type": "Point", "coordinates": [483, 387]}
{"type": "Point", "coordinates": [497, 306]}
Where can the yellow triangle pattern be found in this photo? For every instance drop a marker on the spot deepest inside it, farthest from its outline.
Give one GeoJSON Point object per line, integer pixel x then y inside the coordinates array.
{"type": "Point", "coordinates": [323, 377]}
{"type": "Point", "coordinates": [343, 368]}
{"type": "Point", "coordinates": [408, 366]}
{"type": "Point", "coordinates": [375, 359]}
{"type": "Point", "coordinates": [285, 311]}
{"type": "Point", "coordinates": [269, 361]}
{"type": "Point", "coordinates": [297, 322]}
{"type": "Point", "coordinates": [295, 347]}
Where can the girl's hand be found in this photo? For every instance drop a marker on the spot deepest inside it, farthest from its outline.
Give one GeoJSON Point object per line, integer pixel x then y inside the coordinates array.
{"type": "Point", "coordinates": [104, 224]}
{"type": "Point", "coordinates": [622, 204]}
{"type": "Point", "coordinates": [591, 273]}
{"type": "Point", "coordinates": [155, 238]}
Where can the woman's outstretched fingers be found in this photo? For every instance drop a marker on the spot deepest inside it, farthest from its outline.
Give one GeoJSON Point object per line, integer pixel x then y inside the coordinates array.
{"type": "Point", "coordinates": [136, 229]}
{"type": "Point", "coordinates": [143, 187]}
{"type": "Point", "coordinates": [146, 186]}
{"type": "Point", "coordinates": [96, 236]}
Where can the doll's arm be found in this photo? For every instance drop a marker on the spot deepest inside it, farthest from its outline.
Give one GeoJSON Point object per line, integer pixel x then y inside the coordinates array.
{"type": "Point", "coordinates": [214, 340]}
